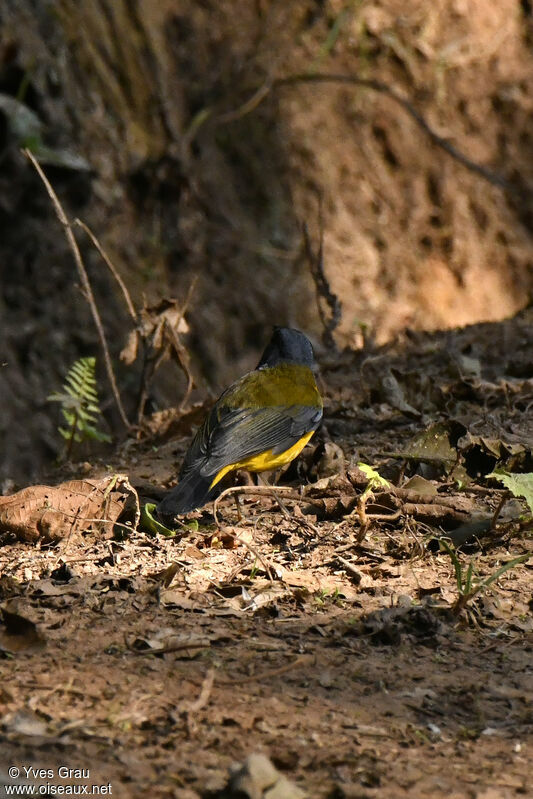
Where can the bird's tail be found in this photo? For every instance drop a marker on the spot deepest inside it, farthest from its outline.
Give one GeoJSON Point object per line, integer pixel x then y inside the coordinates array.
{"type": "Point", "coordinates": [191, 492]}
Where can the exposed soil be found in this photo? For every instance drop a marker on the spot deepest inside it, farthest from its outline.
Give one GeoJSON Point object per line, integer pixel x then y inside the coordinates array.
{"type": "Point", "coordinates": [334, 638]}
{"type": "Point", "coordinates": [193, 173]}
{"type": "Point", "coordinates": [156, 663]}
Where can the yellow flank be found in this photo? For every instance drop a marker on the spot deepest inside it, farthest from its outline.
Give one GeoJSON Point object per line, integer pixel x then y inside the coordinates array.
{"type": "Point", "coordinates": [265, 461]}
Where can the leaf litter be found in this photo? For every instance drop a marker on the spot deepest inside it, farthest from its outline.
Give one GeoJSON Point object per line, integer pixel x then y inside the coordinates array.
{"type": "Point", "coordinates": [325, 638]}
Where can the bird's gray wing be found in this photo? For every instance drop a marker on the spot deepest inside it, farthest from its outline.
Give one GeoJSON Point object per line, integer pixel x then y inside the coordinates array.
{"type": "Point", "coordinates": [230, 435]}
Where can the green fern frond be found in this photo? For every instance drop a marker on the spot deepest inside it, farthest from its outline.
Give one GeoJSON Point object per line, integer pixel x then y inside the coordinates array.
{"type": "Point", "coordinates": [79, 404]}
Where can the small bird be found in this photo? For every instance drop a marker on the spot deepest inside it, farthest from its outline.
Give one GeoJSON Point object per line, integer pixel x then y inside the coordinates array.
{"type": "Point", "coordinates": [261, 422]}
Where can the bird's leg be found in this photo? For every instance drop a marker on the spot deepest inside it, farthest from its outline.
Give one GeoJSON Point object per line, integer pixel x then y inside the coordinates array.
{"type": "Point", "coordinates": [238, 506]}
{"type": "Point", "coordinates": [284, 509]}
{"type": "Point", "coordinates": [247, 478]}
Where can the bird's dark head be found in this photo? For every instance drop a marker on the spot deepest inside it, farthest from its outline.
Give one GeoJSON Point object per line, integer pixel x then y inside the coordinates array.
{"type": "Point", "coordinates": [288, 345]}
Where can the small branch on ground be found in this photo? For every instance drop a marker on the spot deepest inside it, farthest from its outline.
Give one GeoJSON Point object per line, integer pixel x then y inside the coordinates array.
{"type": "Point", "coordinates": [182, 646]}
{"type": "Point", "coordinates": [262, 490]}
{"type": "Point", "coordinates": [269, 570]}
{"type": "Point", "coordinates": [302, 661]}
{"type": "Point", "coordinates": [503, 499]}
{"type": "Point", "coordinates": [205, 693]}
{"type": "Point", "coordinates": [259, 490]}
{"type": "Point", "coordinates": [351, 569]}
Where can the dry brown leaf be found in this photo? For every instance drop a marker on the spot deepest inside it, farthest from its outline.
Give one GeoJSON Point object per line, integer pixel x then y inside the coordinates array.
{"type": "Point", "coordinates": [173, 422]}
{"type": "Point", "coordinates": [129, 353]}
{"type": "Point", "coordinates": [153, 319]}
{"type": "Point", "coordinates": [49, 513]}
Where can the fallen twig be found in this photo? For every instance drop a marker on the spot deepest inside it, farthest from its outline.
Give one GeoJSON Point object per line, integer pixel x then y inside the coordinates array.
{"type": "Point", "coordinates": [253, 550]}
{"type": "Point", "coordinates": [260, 490]}
{"type": "Point", "coordinates": [303, 660]}
{"type": "Point", "coordinates": [350, 568]}
{"type": "Point", "coordinates": [205, 693]}
{"type": "Point", "coordinates": [163, 650]}
{"type": "Point", "coordinates": [289, 493]}
{"type": "Point", "coordinates": [503, 499]}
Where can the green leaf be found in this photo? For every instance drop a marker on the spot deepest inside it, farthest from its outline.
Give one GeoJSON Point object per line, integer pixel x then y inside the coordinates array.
{"type": "Point", "coordinates": [79, 403]}
{"type": "Point", "coordinates": [468, 579]}
{"type": "Point", "coordinates": [68, 416]}
{"type": "Point", "coordinates": [520, 485]}
{"type": "Point", "coordinates": [444, 545]}
{"type": "Point", "coordinates": [506, 566]}
{"type": "Point", "coordinates": [469, 585]}
{"type": "Point", "coordinates": [152, 525]}
{"type": "Point", "coordinates": [97, 435]}
{"type": "Point", "coordinates": [374, 477]}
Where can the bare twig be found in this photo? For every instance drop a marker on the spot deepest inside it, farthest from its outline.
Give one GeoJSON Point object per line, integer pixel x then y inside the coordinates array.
{"type": "Point", "coordinates": [84, 281]}
{"type": "Point", "coordinates": [250, 105]}
{"type": "Point", "coordinates": [260, 490]}
{"type": "Point", "coordinates": [379, 86]}
{"type": "Point", "coordinates": [205, 693]}
{"type": "Point", "coordinates": [183, 359]}
{"type": "Point", "coordinates": [76, 517]}
{"type": "Point", "coordinates": [316, 264]}
{"type": "Point", "coordinates": [111, 267]}
{"type": "Point", "coordinates": [350, 568]}
{"type": "Point", "coordinates": [256, 99]}
{"type": "Point", "coordinates": [164, 339]}
{"type": "Point", "coordinates": [503, 499]}
{"type": "Point", "coordinates": [182, 646]}
{"type": "Point", "coordinates": [299, 520]}
{"type": "Point", "coordinates": [181, 352]}
{"type": "Point", "coordinates": [123, 480]}
{"type": "Point", "coordinates": [265, 564]}
{"type": "Point", "coordinates": [302, 661]}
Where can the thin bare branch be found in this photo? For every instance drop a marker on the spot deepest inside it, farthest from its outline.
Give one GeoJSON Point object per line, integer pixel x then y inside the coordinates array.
{"type": "Point", "coordinates": [249, 106]}
{"type": "Point", "coordinates": [300, 662]}
{"type": "Point", "coordinates": [60, 213]}
{"type": "Point", "coordinates": [163, 650]}
{"type": "Point", "coordinates": [323, 289]}
{"type": "Point", "coordinates": [259, 490]}
{"type": "Point", "coordinates": [205, 693]}
{"type": "Point", "coordinates": [111, 267]}
{"type": "Point", "coordinates": [255, 100]}
{"type": "Point", "coordinates": [378, 86]}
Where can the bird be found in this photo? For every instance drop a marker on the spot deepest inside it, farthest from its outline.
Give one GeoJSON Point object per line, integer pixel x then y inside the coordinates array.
{"type": "Point", "coordinates": [260, 423]}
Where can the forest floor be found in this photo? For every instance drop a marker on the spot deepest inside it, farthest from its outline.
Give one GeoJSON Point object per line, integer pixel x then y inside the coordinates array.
{"type": "Point", "coordinates": [332, 638]}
